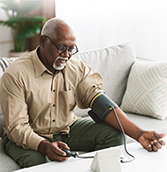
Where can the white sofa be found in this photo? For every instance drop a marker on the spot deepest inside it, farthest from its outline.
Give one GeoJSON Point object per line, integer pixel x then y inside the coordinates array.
{"type": "Point", "coordinates": [119, 68]}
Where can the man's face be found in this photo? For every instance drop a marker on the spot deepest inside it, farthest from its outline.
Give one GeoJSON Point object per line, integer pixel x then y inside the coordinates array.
{"type": "Point", "coordinates": [52, 57]}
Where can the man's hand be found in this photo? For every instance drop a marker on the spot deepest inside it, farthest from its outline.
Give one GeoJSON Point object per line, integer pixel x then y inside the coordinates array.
{"type": "Point", "coordinates": [53, 150]}
{"type": "Point", "coordinates": [151, 140]}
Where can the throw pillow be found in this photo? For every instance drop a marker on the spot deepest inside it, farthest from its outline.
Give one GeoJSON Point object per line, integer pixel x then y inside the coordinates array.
{"type": "Point", "coordinates": [146, 91]}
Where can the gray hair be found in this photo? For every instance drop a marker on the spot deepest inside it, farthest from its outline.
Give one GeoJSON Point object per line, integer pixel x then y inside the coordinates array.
{"type": "Point", "coordinates": [51, 26]}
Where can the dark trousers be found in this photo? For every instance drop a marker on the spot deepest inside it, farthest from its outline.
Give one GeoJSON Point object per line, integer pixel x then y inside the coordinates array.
{"type": "Point", "coordinates": [85, 135]}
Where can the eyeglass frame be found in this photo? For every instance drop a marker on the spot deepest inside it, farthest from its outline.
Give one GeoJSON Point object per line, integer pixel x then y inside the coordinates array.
{"type": "Point", "coordinates": [62, 46]}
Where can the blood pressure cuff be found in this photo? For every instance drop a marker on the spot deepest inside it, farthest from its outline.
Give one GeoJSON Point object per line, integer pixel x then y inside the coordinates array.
{"type": "Point", "coordinates": [101, 106]}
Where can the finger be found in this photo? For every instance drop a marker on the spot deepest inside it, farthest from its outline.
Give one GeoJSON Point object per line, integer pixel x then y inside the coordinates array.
{"type": "Point", "coordinates": [63, 145]}
{"type": "Point", "coordinates": [154, 148]}
{"type": "Point", "coordinates": [162, 142]}
{"type": "Point", "coordinates": [158, 136]}
{"type": "Point", "coordinates": [162, 135]}
{"type": "Point", "coordinates": [157, 145]}
{"type": "Point", "coordinates": [60, 158]}
{"type": "Point", "coordinates": [58, 148]}
{"type": "Point", "coordinates": [55, 157]}
{"type": "Point", "coordinates": [149, 148]}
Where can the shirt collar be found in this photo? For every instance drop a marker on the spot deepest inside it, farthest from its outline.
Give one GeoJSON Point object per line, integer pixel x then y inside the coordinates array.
{"type": "Point", "coordinates": [38, 65]}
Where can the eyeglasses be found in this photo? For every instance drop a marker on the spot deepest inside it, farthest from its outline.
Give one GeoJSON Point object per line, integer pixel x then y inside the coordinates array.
{"type": "Point", "coordinates": [62, 49]}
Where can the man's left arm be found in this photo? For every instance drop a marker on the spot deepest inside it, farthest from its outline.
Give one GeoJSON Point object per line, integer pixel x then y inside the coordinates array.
{"type": "Point", "coordinates": [150, 140]}
{"type": "Point", "coordinates": [90, 91]}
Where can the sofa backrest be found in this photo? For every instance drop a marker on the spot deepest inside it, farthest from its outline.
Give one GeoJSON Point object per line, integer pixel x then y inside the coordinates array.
{"type": "Point", "coordinates": [4, 63]}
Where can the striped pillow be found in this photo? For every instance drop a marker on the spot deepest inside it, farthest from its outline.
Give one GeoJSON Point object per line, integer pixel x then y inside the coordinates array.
{"type": "Point", "coordinates": [146, 91]}
{"type": "Point", "coordinates": [4, 63]}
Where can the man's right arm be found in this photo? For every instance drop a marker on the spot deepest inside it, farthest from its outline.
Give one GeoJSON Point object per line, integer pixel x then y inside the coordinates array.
{"type": "Point", "coordinates": [15, 113]}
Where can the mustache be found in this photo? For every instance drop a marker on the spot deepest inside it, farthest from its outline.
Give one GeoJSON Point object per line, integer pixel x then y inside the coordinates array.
{"type": "Point", "coordinates": [62, 58]}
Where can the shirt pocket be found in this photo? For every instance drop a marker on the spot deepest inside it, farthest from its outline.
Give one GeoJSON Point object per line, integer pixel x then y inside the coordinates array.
{"type": "Point", "coordinates": [67, 100]}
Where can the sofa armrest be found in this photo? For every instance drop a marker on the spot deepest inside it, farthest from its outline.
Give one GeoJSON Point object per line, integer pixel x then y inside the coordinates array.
{"type": "Point", "coordinates": [1, 124]}
{"type": "Point", "coordinates": [4, 63]}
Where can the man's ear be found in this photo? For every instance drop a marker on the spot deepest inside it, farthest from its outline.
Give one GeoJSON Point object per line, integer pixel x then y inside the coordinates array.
{"type": "Point", "coordinates": [42, 41]}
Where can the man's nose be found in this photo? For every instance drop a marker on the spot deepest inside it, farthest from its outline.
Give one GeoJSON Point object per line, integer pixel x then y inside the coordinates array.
{"type": "Point", "coordinates": [65, 53]}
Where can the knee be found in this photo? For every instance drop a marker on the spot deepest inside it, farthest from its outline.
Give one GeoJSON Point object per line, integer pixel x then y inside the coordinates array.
{"type": "Point", "coordinates": [119, 138]}
{"type": "Point", "coordinates": [110, 138]}
{"type": "Point", "coordinates": [33, 159]}
{"type": "Point", "coordinates": [116, 138]}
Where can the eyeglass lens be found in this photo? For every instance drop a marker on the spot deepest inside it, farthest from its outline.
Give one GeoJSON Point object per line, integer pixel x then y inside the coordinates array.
{"type": "Point", "coordinates": [62, 49]}
{"type": "Point", "coordinates": [71, 51]}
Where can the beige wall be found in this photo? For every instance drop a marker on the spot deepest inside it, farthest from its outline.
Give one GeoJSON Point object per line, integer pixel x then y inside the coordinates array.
{"type": "Point", "coordinates": [6, 42]}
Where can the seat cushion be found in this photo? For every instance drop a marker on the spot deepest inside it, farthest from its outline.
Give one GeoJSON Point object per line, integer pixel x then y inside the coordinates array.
{"type": "Point", "coordinates": [7, 164]}
{"type": "Point", "coordinates": [147, 123]}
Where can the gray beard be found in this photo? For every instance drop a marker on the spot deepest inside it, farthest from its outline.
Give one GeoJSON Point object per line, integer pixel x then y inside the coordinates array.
{"type": "Point", "coordinates": [62, 65]}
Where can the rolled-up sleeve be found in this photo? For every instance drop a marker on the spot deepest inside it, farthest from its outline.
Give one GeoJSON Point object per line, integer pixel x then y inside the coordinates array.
{"type": "Point", "coordinates": [14, 108]}
{"type": "Point", "coordinates": [87, 89]}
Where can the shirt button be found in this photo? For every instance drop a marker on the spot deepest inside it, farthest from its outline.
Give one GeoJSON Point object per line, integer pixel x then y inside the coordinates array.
{"type": "Point", "coordinates": [54, 120]}
{"type": "Point", "coordinates": [54, 105]}
{"type": "Point", "coordinates": [53, 90]}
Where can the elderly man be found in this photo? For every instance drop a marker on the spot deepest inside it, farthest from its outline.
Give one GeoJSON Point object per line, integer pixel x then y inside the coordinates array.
{"type": "Point", "coordinates": [39, 92]}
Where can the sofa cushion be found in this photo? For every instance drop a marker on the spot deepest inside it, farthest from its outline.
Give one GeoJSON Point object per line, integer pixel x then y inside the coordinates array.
{"type": "Point", "coordinates": [147, 123]}
{"type": "Point", "coordinates": [7, 164]}
{"type": "Point", "coordinates": [146, 91]}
